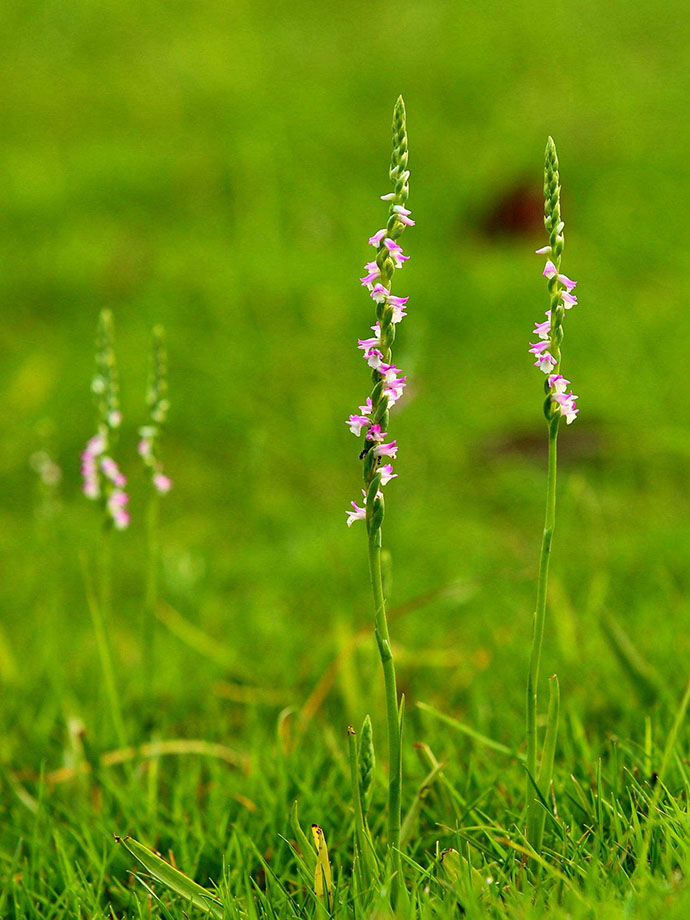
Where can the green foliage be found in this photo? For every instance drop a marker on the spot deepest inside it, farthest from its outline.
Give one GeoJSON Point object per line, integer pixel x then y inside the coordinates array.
{"type": "Point", "coordinates": [192, 164]}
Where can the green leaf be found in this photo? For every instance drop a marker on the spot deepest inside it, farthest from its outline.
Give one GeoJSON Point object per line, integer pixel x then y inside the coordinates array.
{"type": "Point", "coordinates": [172, 878]}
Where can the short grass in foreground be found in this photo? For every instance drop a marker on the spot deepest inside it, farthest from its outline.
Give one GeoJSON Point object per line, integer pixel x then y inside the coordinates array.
{"type": "Point", "coordinates": [229, 823]}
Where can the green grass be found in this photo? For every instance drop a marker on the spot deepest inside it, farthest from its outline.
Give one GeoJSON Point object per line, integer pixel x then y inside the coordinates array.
{"type": "Point", "coordinates": [216, 167]}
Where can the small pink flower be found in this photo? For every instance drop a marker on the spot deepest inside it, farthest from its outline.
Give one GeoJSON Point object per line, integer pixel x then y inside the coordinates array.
{"type": "Point", "coordinates": [543, 251]}
{"type": "Point", "coordinates": [388, 372]}
{"type": "Point", "coordinates": [373, 358]}
{"type": "Point", "coordinates": [399, 311]}
{"type": "Point", "coordinates": [144, 447]}
{"type": "Point", "coordinates": [367, 407]}
{"type": "Point", "coordinates": [162, 483]}
{"type": "Point", "coordinates": [388, 197]}
{"type": "Point", "coordinates": [396, 252]}
{"type": "Point", "coordinates": [558, 382]}
{"type": "Point", "coordinates": [375, 240]}
{"type": "Point", "coordinates": [550, 270]}
{"type": "Point", "coordinates": [567, 283]}
{"type": "Point", "coordinates": [373, 273]}
{"type": "Point", "coordinates": [365, 344]}
{"type": "Point", "coordinates": [112, 471]}
{"type": "Point", "coordinates": [95, 445]}
{"type": "Point", "coordinates": [386, 450]}
{"type": "Point", "coordinates": [379, 293]}
{"type": "Point", "coordinates": [569, 300]}
{"type": "Point", "coordinates": [118, 499]}
{"type": "Point", "coordinates": [566, 405]}
{"type": "Point", "coordinates": [387, 473]}
{"type": "Point", "coordinates": [394, 390]}
{"type": "Point", "coordinates": [538, 347]}
{"type": "Point", "coordinates": [91, 488]}
{"type": "Point", "coordinates": [542, 329]}
{"type": "Point", "coordinates": [359, 514]}
{"type": "Point", "coordinates": [356, 423]}
{"type": "Point", "coordinates": [375, 433]}
{"type": "Point", "coordinates": [545, 362]}
{"type": "Point", "coordinates": [403, 215]}
{"type": "Point", "coordinates": [121, 519]}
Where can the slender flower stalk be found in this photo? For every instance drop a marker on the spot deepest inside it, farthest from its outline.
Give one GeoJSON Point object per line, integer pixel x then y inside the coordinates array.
{"type": "Point", "coordinates": [372, 422]}
{"type": "Point", "coordinates": [558, 404]}
{"type": "Point", "coordinates": [149, 451]}
{"type": "Point", "coordinates": [104, 482]}
{"type": "Point", "coordinates": [158, 405]}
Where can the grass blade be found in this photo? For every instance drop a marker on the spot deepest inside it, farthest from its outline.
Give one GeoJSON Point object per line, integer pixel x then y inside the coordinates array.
{"type": "Point", "coordinates": [172, 878]}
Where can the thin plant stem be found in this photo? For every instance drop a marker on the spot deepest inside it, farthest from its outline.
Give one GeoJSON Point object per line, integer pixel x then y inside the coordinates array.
{"type": "Point", "coordinates": [99, 608]}
{"type": "Point", "coordinates": [538, 631]}
{"type": "Point", "coordinates": [392, 711]}
{"type": "Point", "coordinates": [151, 604]}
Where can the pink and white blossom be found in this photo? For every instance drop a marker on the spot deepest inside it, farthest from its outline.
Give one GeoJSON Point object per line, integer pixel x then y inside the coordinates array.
{"type": "Point", "coordinates": [121, 519]}
{"type": "Point", "coordinates": [91, 488]}
{"type": "Point", "coordinates": [386, 450]}
{"type": "Point", "coordinates": [359, 514]}
{"type": "Point", "coordinates": [566, 405]}
{"type": "Point", "coordinates": [394, 390]}
{"type": "Point", "coordinates": [372, 342]}
{"type": "Point", "coordinates": [373, 274]}
{"type": "Point", "coordinates": [388, 372]}
{"type": "Point", "coordinates": [398, 304]}
{"type": "Point", "coordinates": [387, 473]}
{"type": "Point", "coordinates": [145, 447]}
{"type": "Point", "coordinates": [403, 215]}
{"type": "Point", "coordinates": [567, 283]}
{"type": "Point", "coordinates": [543, 329]}
{"type": "Point", "coordinates": [538, 348]}
{"type": "Point", "coordinates": [396, 252]}
{"type": "Point", "coordinates": [379, 293]}
{"type": "Point", "coordinates": [558, 383]}
{"type": "Point", "coordinates": [545, 362]}
{"type": "Point", "coordinates": [375, 434]}
{"type": "Point", "coordinates": [373, 358]}
{"type": "Point", "coordinates": [356, 423]}
{"type": "Point", "coordinates": [162, 483]}
{"type": "Point", "coordinates": [95, 445]}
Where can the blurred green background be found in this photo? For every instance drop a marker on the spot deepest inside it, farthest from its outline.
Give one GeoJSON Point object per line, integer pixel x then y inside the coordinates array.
{"type": "Point", "coordinates": [216, 167]}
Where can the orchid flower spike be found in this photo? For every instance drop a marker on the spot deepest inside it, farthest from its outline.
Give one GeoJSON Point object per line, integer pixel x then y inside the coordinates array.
{"type": "Point", "coordinates": [158, 405]}
{"type": "Point", "coordinates": [389, 383]}
{"type": "Point", "coordinates": [547, 350]}
{"type": "Point", "coordinates": [102, 479]}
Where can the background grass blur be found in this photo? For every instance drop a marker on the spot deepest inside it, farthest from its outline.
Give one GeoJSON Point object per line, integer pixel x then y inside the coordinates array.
{"type": "Point", "coordinates": [216, 167]}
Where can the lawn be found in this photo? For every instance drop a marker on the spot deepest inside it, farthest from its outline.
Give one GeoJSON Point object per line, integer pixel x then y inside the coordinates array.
{"type": "Point", "coordinates": [216, 168]}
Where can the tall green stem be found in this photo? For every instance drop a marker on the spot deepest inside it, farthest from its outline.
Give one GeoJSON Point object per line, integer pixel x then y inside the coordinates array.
{"type": "Point", "coordinates": [533, 805]}
{"type": "Point", "coordinates": [392, 711]}
{"type": "Point", "coordinates": [149, 624]}
{"type": "Point", "coordinates": [100, 609]}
